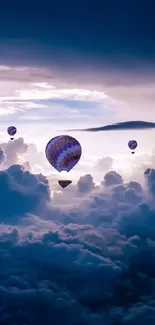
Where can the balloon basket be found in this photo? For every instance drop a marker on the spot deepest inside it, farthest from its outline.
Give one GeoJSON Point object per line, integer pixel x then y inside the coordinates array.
{"type": "Point", "coordinates": [64, 183]}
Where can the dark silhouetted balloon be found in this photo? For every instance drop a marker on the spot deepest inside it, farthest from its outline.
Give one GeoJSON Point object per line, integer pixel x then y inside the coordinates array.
{"type": "Point", "coordinates": [63, 152]}
{"type": "Point", "coordinates": [132, 144]}
{"type": "Point", "coordinates": [64, 183]}
{"type": "Point", "coordinates": [11, 131]}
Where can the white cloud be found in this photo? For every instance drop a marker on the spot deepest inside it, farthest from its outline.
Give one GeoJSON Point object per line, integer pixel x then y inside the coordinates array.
{"type": "Point", "coordinates": [33, 92]}
{"type": "Point", "coordinates": [11, 107]}
{"type": "Point", "coordinates": [4, 68]}
{"type": "Point", "coordinates": [18, 95]}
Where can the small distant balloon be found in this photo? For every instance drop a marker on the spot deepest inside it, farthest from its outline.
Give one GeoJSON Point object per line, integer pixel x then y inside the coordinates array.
{"type": "Point", "coordinates": [63, 153]}
{"type": "Point", "coordinates": [132, 144]}
{"type": "Point", "coordinates": [11, 131]}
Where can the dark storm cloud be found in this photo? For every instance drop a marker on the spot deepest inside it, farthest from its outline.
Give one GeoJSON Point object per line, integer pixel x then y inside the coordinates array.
{"type": "Point", "coordinates": [129, 125]}
{"type": "Point", "coordinates": [61, 30]}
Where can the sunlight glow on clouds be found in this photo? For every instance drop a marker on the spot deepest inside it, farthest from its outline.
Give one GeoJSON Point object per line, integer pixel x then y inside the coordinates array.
{"type": "Point", "coordinates": [34, 92]}
{"type": "Point", "coordinates": [17, 96]}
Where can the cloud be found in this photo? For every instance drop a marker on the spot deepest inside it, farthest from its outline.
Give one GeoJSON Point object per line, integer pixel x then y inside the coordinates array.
{"type": "Point", "coordinates": [129, 125]}
{"type": "Point", "coordinates": [14, 150]}
{"type": "Point", "coordinates": [150, 179]}
{"type": "Point", "coordinates": [2, 156]}
{"type": "Point", "coordinates": [27, 92]}
{"type": "Point", "coordinates": [103, 164]}
{"type": "Point", "coordinates": [23, 88]}
{"type": "Point", "coordinates": [85, 184]}
{"type": "Point", "coordinates": [50, 92]}
{"type": "Point", "coordinates": [89, 260]}
{"type": "Point", "coordinates": [19, 152]}
{"type": "Point", "coordinates": [112, 178]}
{"type": "Point", "coordinates": [24, 191]}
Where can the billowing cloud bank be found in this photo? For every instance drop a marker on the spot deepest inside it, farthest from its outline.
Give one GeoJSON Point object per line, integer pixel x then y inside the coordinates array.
{"type": "Point", "coordinates": [84, 256]}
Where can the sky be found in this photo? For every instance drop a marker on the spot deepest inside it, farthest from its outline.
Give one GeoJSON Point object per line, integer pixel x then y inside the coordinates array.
{"type": "Point", "coordinates": [81, 255]}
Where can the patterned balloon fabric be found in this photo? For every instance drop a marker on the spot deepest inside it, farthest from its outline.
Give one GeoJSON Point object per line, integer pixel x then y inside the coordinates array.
{"type": "Point", "coordinates": [63, 152]}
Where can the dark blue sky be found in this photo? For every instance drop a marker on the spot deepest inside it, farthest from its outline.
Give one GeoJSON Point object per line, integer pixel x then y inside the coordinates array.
{"type": "Point", "coordinates": [115, 31]}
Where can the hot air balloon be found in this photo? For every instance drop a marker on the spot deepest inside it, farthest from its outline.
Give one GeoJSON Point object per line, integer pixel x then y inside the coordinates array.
{"type": "Point", "coordinates": [132, 144]}
{"type": "Point", "coordinates": [63, 153]}
{"type": "Point", "coordinates": [11, 131]}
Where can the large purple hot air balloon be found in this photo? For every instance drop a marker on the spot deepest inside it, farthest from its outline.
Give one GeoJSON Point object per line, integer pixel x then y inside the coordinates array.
{"type": "Point", "coordinates": [11, 131]}
{"type": "Point", "coordinates": [63, 152]}
{"type": "Point", "coordinates": [132, 144]}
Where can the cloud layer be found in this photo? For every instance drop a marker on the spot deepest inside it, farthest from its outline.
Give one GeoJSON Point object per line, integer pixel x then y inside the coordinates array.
{"type": "Point", "coordinates": [82, 256]}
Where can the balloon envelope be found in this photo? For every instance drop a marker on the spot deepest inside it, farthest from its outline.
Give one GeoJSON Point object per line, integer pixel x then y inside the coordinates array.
{"type": "Point", "coordinates": [132, 144]}
{"type": "Point", "coordinates": [11, 130]}
{"type": "Point", "coordinates": [63, 152]}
